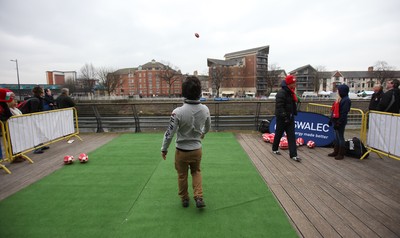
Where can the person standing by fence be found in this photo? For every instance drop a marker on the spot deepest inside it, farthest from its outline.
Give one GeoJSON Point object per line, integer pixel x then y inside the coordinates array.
{"type": "Point", "coordinates": [13, 106]}
{"type": "Point", "coordinates": [376, 98]}
{"type": "Point", "coordinates": [339, 121]}
{"type": "Point", "coordinates": [35, 104]}
{"type": "Point", "coordinates": [191, 122]}
{"type": "Point", "coordinates": [391, 98]}
{"type": "Point", "coordinates": [48, 103]}
{"type": "Point", "coordinates": [64, 100]}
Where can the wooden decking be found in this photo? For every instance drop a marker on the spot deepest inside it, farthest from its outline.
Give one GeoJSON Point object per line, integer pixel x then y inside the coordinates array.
{"type": "Point", "coordinates": [328, 198]}
{"type": "Point", "coordinates": [24, 173]}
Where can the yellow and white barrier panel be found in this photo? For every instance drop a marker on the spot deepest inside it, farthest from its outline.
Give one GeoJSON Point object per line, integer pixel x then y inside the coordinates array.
{"type": "Point", "coordinates": [28, 132]}
{"type": "Point", "coordinates": [383, 135]}
{"type": "Point", "coordinates": [5, 146]}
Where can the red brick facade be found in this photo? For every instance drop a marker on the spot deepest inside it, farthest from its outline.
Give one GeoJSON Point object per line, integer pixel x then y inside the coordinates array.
{"type": "Point", "coordinates": [147, 81]}
{"type": "Point", "coordinates": [248, 70]}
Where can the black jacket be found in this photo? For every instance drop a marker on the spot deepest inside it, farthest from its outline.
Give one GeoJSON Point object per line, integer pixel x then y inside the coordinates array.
{"type": "Point", "coordinates": [285, 106]}
{"type": "Point", "coordinates": [64, 101]}
{"type": "Point", "coordinates": [375, 99]}
{"type": "Point", "coordinates": [48, 102]}
{"type": "Point", "coordinates": [386, 100]}
{"type": "Point", "coordinates": [33, 104]}
{"type": "Point", "coordinates": [5, 112]}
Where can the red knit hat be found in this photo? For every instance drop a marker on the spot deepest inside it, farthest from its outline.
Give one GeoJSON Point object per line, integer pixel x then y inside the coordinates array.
{"type": "Point", "coordinates": [6, 95]}
{"type": "Point", "coordinates": [290, 79]}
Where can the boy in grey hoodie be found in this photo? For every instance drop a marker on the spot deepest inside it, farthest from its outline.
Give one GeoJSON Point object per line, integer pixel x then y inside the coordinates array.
{"type": "Point", "coordinates": [191, 122]}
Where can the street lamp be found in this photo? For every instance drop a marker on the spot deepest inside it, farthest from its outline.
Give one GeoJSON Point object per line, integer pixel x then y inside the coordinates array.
{"type": "Point", "coordinates": [19, 87]}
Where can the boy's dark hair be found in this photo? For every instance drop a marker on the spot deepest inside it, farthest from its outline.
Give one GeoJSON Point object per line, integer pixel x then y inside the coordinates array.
{"type": "Point", "coordinates": [191, 88]}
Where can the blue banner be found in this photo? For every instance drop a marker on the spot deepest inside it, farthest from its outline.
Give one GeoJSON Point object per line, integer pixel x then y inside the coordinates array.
{"type": "Point", "coordinates": [311, 126]}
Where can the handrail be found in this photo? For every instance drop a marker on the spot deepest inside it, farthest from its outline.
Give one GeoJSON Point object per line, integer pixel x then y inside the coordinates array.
{"type": "Point", "coordinates": [137, 115]}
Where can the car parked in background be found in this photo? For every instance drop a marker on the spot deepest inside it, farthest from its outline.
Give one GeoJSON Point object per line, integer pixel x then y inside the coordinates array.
{"type": "Point", "coordinates": [272, 96]}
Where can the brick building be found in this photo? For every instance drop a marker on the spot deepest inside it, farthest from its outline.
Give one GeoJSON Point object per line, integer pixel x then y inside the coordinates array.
{"type": "Point", "coordinates": [148, 80]}
{"type": "Point", "coordinates": [59, 77]}
{"type": "Point", "coordinates": [247, 72]}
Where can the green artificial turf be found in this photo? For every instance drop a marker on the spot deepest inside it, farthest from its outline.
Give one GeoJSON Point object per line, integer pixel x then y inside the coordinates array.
{"type": "Point", "coordinates": [127, 190]}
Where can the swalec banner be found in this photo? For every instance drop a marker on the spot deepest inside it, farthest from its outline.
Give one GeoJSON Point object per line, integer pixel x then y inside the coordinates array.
{"type": "Point", "coordinates": [311, 126]}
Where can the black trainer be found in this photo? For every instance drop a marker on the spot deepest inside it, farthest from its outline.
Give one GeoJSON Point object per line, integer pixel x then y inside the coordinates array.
{"type": "Point", "coordinates": [38, 151]}
{"type": "Point", "coordinates": [200, 203]}
{"type": "Point", "coordinates": [185, 202]}
{"type": "Point", "coordinates": [276, 152]}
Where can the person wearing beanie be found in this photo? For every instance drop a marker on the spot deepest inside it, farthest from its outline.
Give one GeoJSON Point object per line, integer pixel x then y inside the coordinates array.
{"type": "Point", "coordinates": [190, 122]}
{"type": "Point", "coordinates": [6, 96]}
{"type": "Point", "coordinates": [285, 109]}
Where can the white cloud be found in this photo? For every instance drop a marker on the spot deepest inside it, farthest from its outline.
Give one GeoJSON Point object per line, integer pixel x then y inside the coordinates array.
{"type": "Point", "coordinates": [64, 35]}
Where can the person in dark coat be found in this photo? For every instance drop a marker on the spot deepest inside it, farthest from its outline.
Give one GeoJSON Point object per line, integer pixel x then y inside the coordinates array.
{"type": "Point", "coordinates": [34, 103]}
{"type": "Point", "coordinates": [376, 97]}
{"type": "Point", "coordinates": [390, 101]}
{"type": "Point", "coordinates": [64, 100]}
{"type": "Point", "coordinates": [285, 110]}
{"type": "Point", "coordinates": [339, 122]}
{"type": "Point", "coordinates": [48, 103]}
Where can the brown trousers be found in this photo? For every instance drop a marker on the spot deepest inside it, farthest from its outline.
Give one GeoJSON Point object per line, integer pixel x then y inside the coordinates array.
{"type": "Point", "coordinates": [183, 161]}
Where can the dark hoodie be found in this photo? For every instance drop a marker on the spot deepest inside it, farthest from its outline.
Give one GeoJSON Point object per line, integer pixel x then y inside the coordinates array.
{"type": "Point", "coordinates": [344, 106]}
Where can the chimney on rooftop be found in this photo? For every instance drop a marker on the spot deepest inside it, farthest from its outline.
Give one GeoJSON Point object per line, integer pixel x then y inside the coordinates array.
{"type": "Point", "coordinates": [370, 68]}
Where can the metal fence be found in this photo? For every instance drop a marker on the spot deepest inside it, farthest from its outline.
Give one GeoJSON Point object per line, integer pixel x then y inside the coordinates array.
{"type": "Point", "coordinates": [154, 116]}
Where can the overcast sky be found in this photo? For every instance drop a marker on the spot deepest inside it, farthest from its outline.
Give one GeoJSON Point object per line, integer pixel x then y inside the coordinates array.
{"type": "Point", "coordinates": [63, 35]}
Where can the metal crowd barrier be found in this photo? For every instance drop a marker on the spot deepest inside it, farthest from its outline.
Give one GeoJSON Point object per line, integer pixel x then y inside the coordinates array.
{"type": "Point", "coordinates": [27, 132]}
{"type": "Point", "coordinates": [355, 119]}
{"type": "Point", "coordinates": [383, 135]}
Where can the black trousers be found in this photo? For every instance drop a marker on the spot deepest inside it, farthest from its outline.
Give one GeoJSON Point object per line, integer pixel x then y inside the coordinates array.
{"type": "Point", "coordinates": [281, 127]}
